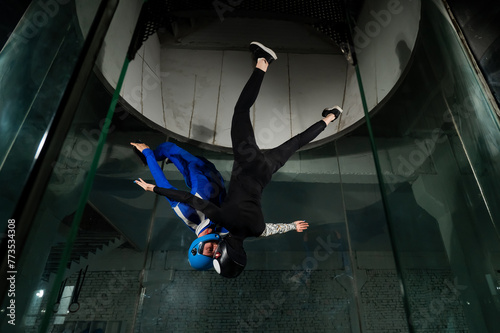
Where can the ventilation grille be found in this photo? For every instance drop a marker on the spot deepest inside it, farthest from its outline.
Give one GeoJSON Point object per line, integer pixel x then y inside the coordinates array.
{"type": "Point", "coordinates": [327, 16]}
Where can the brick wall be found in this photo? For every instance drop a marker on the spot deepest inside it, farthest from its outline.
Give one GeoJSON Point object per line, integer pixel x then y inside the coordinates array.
{"type": "Point", "coordinates": [382, 304]}
{"type": "Point", "coordinates": [277, 301]}
{"type": "Point", "coordinates": [105, 297]}
{"type": "Point", "coordinates": [434, 298]}
{"type": "Point", "coordinates": [273, 301]}
{"type": "Point", "coordinates": [258, 301]}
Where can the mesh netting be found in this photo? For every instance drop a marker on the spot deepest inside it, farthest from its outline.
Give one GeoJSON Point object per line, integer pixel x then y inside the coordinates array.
{"type": "Point", "coordinates": [327, 16]}
{"type": "Point", "coordinates": [154, 15]}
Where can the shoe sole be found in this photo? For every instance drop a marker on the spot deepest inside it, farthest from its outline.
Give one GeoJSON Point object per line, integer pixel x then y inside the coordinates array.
{"type": "Point", "coordinates": [266, 49]}
{"type": "Point", "coordinates": [336, 107]}
{"type": "Point", "coordinates": [333, 108]}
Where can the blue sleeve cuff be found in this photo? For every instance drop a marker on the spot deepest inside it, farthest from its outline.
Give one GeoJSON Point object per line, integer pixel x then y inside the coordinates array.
{"type": "Point", "coordinates": [147, 152]}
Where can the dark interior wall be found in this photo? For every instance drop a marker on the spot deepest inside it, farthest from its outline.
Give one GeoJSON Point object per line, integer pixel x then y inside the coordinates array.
{"type": "Point", "coordinates": [479, 23]}
{"type": "Point", "coordinates": [11, 12]}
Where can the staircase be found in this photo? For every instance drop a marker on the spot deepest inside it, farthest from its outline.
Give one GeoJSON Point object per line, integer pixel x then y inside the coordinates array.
{"type": "Point", "coordinates": [95, 238]}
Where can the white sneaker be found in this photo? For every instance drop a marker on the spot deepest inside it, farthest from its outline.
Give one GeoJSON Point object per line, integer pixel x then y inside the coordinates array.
{"type": "Point", "coordinates": [260, 51]}
{"type": "Point", "coordinates": [336, 110]}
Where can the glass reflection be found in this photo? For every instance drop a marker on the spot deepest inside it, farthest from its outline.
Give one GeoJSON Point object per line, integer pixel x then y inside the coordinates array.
{"type": "Point", "coordinates": [436, 137]}
{"type": "Point", "coordinates": [430, 137]}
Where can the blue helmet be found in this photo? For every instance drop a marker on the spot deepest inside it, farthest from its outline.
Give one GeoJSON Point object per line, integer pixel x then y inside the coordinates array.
{"type": "Point", "coordinates": [196, 259]}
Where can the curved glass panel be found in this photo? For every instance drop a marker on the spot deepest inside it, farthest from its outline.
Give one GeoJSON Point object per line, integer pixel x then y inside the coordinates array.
{"type": "Point", "coordinates": [420, 256]}
{"type": "Point", "coordinates": [437, 140]}
{"type": "Point", "coordinates": [35, 66]}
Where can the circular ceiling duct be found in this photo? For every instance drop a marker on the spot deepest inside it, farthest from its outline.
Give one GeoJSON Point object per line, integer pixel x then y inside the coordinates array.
{"type": "Point", "coordinates": [186, 77]}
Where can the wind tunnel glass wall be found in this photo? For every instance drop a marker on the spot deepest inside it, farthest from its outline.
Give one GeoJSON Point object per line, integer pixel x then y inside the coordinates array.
{"type": "Point", "coordinates": [61, 38]}
{"type": "Point", "coordinates": [327, 279]}
{"type": "Point", "coordinates": [128, 267]}
{"type": "Point", "coordinates": [35, 66]}
{"type": "Point", "coordinates": [438, 141]}
{"type": "Point", "coordinates": [100, 287]}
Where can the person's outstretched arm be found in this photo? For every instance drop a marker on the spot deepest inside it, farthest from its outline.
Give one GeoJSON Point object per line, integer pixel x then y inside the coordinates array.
{"type": "Point", "coordinates": [155, 169]}
{"type": "Point", "coordinates": [208, 208]}
{"type": "Point", "coordinates": [281, 228]}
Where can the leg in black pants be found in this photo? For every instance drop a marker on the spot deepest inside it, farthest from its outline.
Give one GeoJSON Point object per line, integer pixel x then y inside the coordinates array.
{"type": "Point", "coordinates": [245, 147]}
{"type": "Point", "coordinates": [278, 156]}
{"type": "Point", "coordinates": [247, 155]}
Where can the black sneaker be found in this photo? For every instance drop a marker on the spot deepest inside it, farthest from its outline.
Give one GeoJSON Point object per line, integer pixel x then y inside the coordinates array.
{"type": "Point", "coordinates": [260, 51]}
{"type": "Point", "coordinates": [140, 154]}
{"type": "Point", "coordinates": [336, 110]}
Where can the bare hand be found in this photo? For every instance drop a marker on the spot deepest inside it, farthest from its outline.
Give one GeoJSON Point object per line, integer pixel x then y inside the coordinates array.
{"type": "Point", "coordinates": [140, 146]}
{"type": "Point", "coordinates": [301, 225]}
{"type": "Point", "coordinates": [144, 185]}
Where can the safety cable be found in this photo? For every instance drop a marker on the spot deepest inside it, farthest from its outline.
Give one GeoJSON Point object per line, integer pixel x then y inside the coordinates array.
{"type": "Point", "coordinates": [378, 170]}
{"type": "Point", "coordinates": [87, 187]}
{"type": "Point", "coordinates": [349, 243]}
{"type": "Point", "coordinates": [89, 181]}
{"type": "Point", "coordinates": [75, 305]}
{"type": "Point", "coordinates": [385, 202]}
{"type": "Point", "coordinates": [59, 295]}
{"type": "Point", "coordinates": [142, 289]}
